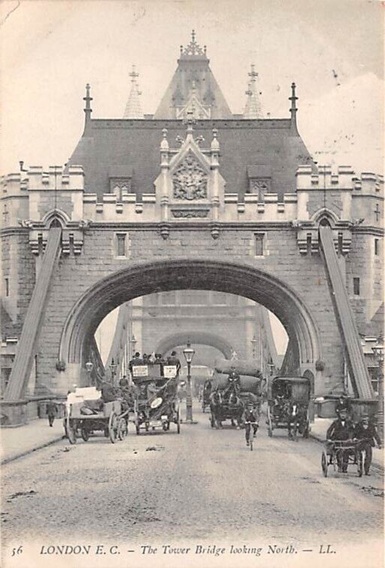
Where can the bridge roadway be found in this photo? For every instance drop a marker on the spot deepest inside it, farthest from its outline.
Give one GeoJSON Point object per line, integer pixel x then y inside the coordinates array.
{"type": "Point", "coordinates": [203, 486]}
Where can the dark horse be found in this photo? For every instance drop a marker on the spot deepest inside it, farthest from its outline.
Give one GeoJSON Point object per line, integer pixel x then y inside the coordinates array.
{"type": "Point", "coordinates": [216, 409]}
{"type": "Point", "coordinates": [235, 409]}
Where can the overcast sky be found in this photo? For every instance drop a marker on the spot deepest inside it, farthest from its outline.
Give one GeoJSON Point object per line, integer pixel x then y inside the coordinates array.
{"type": "Point", "coordinates": [332, 49]}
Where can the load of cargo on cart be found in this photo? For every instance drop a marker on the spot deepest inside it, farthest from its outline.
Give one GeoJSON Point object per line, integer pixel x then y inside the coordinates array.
{"type": "Point", "coordinates": [89, 410]}
{"type": "Point", "coordinates": [236, 384]}
{"type": "Point", "coordinates": [288, 401]}
{"type": "Point", "coordinates": [156, 402]}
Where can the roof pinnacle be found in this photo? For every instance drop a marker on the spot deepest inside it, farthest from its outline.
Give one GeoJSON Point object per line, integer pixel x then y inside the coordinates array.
{"type": "Point", "coordinates": [133, 107]}
{"type": "Point", "coordinates": [193, 49]}
{"type": "Point", "coordinates": [87, 108]}
{"type": "Point", "coordinates": [293, 108]}
{"type": "Point", "coordinates": [253, 105]}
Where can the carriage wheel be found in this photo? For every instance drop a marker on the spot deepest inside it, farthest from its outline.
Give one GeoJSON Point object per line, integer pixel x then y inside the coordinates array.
{"type": "Point", "coordinates": [324, 464]}
{"type": "Point", "coordinates": [359, 463]}
{"type": "Point", "coordinates": [85, 433]}
{"type": "Point", "coordinates": [122, 429]}
{"type": "Point", "coordinates": [269, 423]}
{"type": "Point", "coordinates": [113, 427]}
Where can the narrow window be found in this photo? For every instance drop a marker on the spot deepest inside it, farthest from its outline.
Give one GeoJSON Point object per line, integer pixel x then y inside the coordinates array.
{"type": "Point", "coordinates": [121, 244]}
{"type": "Point", "coordinates": [356, 286]}
{"type": "Point", "coordinates": [340, 242]}
{"type": "Point", "coordinates": [259, 237]}
{"type": "Point", "coordinates": [376, 247]}
{"type": "Point", "coordinates": [308, 243]}
{"type": "Point", "coordinates": [7, 286]}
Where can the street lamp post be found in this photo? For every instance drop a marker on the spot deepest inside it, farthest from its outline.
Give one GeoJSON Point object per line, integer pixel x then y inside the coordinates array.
{"type": "Point", "coordinates": [89, 367]}
{"type": "Point", "coordinates": [379, 354]}
{"type": "Point", "coordinates": [189, 353]}
{"type": "Point", "coordinates": [254, 342]}
{"type": "Point", "coordinates": [113, 368]}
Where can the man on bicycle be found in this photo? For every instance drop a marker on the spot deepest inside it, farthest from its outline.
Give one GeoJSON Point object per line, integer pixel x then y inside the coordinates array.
{"type": "Point", "coordinates": [250, 420]}
{"type": "Point", "coordinates": [366, 431]}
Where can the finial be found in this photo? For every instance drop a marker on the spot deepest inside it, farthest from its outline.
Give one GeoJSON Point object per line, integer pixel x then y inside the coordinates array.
{"type": "Point", "coordinates": [190, 120]}
{"type": "Point", "coordinates": [164, 144]}
{"type": "Point", "coordinates": [214, 142]}
{"type": "Point", "coordinates": [293, 108]}
{"type": "Point", "coordinates": [253, 74]}
{"type": "Point", "coordinates": [193, 49]}
{"type": "Point", "coordinates": [87, 99]}
{"type": "Point", "coordinates": [134, 75]}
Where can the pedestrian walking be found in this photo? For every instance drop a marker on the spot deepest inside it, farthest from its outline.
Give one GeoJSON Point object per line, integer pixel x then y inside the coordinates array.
{"type": "Point", "coordinates": [51, 411]}
{"type": "Point", "coordinates": [366, 431]}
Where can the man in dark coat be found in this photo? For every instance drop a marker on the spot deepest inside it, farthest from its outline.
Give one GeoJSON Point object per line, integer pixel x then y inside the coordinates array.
{"type": "Point", "coordinates": [136, 360]}
{"type": "Point", "coordinates": [344, 404]}
{"type": "Point", "coordinates": [341, 429]}
{"type": "Point", "coordinates": [367, 432]}
{"type": "Point", "coordinates": [51, 412]}
{"type": "Point", "coordinates": [173, 360]}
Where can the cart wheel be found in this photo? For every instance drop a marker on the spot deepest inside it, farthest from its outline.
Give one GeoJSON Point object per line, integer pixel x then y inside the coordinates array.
{"type": "Point", "coordinates": [85, 433]}
{"type": "Point", "coordinates": [71, 433]}
{"type": "Point", "coordinates": [270, 423]}
{"type": "Point", "coordinates": [122, 429]}
{"type": "Point", "coordinates": [359, 463]}
{"type": "Point", "coordinates": [113, 427]}
{"type": "Point", "coordinates": [324, 464]}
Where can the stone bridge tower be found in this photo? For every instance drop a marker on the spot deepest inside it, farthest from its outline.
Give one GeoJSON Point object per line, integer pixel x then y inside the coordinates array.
{"type": "Point", "coordinates": [191, 198]}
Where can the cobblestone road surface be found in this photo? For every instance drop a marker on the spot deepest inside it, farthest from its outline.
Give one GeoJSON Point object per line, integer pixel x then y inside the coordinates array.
{"type": "Point", "coordinates": [202, 486]}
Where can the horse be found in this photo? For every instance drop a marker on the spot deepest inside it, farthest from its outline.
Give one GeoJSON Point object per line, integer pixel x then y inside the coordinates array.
{"type": "Point", "coordinates": [216, 409]}
{"type": "Point", "coordinates": [235, 407]}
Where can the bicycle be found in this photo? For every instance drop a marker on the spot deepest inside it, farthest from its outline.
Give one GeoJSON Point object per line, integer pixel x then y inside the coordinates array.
{"type": "Point", "coordinates": [250, 439]}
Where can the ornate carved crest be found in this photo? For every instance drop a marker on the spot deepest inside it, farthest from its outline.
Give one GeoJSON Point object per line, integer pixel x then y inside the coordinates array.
{"type": "Point", "coordinates": [190, 180]}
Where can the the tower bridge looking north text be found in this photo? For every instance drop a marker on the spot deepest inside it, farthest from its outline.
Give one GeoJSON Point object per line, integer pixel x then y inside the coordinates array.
{"type": "Point", "coordinates": [203, 228]}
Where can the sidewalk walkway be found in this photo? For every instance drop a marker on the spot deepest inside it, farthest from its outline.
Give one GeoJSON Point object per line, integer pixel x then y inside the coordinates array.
{"type": "Point", "coordinates": [17, 442]}
{"type": "Point", "coordinates": [319, 429]}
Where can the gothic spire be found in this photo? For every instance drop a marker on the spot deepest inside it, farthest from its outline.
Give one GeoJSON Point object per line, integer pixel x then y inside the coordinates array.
{"type": "Point", "coordinates": [293, 109]}
{"type": "Point", "coordinates": [133, 106]}
{"type": "Point", "coordinates": [253, 107]}
{"type": "Point", "coordinates": [87, 108]}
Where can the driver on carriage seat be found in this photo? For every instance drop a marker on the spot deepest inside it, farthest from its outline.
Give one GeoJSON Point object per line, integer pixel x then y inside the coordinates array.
{"type": "Point", "coordinates": [341, 429]}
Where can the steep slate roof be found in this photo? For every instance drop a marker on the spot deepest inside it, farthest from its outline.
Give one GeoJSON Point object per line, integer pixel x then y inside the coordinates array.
{"type": "Point", "coordinates": [243, 143]}
{"type": "Point", "coordinates": [193, 78]}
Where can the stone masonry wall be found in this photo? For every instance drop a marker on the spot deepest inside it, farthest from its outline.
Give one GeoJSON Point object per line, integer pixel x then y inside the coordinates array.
{"type": "Point", "coordinates": [75, 275]}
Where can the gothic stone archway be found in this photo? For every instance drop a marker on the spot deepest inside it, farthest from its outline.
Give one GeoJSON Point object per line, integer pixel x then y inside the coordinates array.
{"type": "Point", "coordinates": [167, 275]}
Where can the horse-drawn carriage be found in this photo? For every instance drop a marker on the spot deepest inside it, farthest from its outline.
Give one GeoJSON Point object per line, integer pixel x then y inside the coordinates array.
{"type": "Point", "coordinates": [236, 383]}
{"type": "Point", "coordinates": [288, 401]}
{"type": "Point", "coordinates": [155, 399]}
{"type": "Point", "coordinates": [86, 413]}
